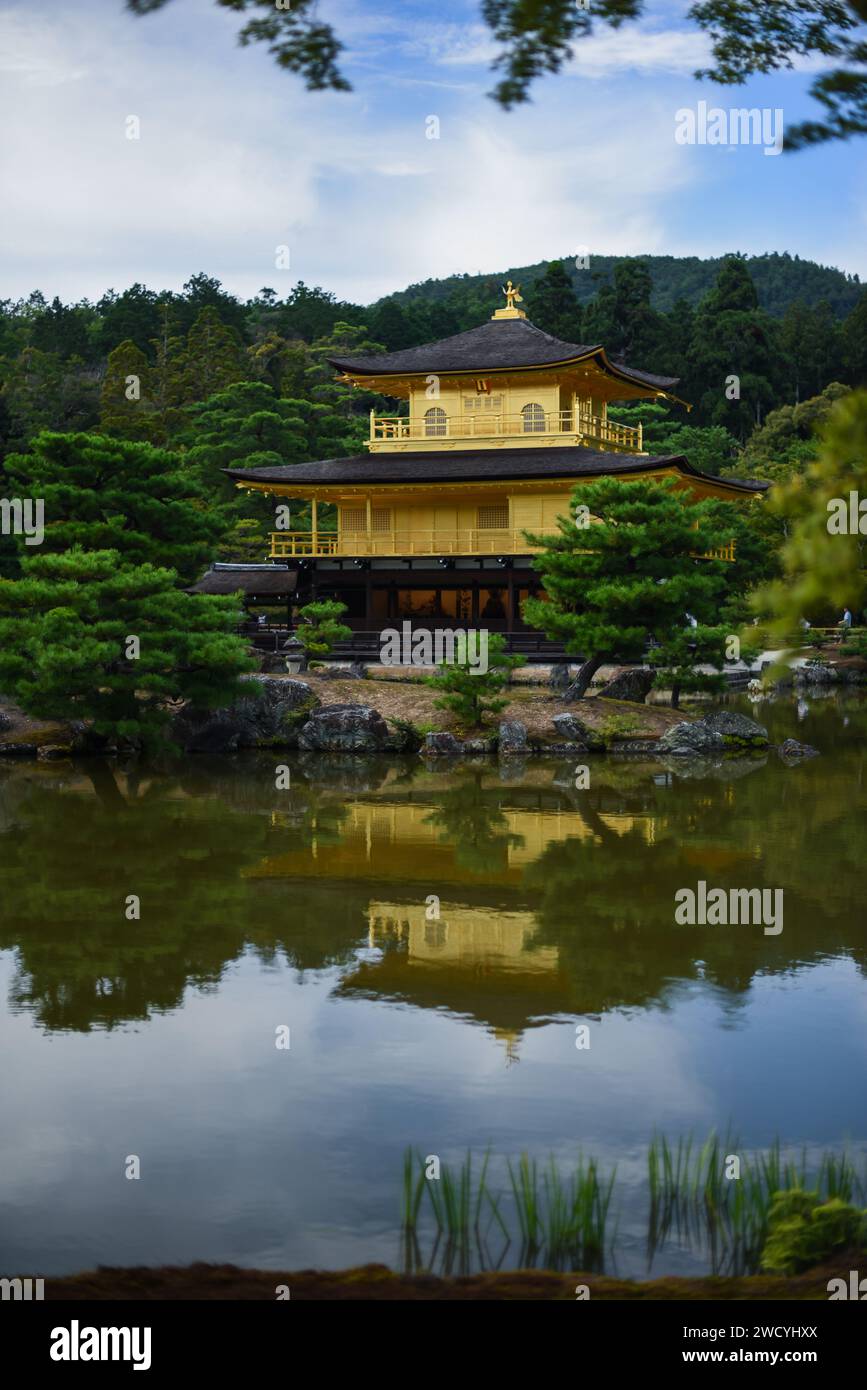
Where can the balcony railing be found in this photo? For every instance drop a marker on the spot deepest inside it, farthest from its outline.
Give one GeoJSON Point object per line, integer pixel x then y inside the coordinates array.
{"type": "Point", "coordinates": [470, 541]}
{"type": "Point", "coordinates": [288, 545]}
{"type": "Point", "coordinates": [489, 425]}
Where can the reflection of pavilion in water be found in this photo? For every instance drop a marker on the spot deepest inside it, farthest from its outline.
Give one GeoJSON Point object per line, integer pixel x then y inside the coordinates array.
{"type": "Point", "coordinates": [478, 959]}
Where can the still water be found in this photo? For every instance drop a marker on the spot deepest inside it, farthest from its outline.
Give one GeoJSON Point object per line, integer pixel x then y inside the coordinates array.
{"type": "Point", "coordinates": [308, 908]}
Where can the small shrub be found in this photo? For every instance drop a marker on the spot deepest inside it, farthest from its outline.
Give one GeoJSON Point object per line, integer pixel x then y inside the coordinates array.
{"type": "Point", "coordinates": [803, 1231]}
{"type": "Point", "coordinates": [471, 694]}
{"type": "Point", "coordinates": [321, 628]}
{"type": "Point", "coordinates": [616, 726]}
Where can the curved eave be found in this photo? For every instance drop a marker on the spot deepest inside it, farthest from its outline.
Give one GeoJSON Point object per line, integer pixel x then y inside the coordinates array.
{"type": "Point", "coordinates": [360, 376]}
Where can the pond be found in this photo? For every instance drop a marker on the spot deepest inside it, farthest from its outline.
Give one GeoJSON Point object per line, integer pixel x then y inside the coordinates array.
{"type": "Point", "coordinates": [268, 994]}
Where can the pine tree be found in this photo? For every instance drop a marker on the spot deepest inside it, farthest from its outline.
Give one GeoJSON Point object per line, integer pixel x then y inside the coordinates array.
{"type": "Point", "coordinates": [113, 494]}
{"type": "Point", "coordinates": [126, 406]}
{"type": "Point", "coordinates": [89, 635]}
{"type": "Point", "coordinates": [213, 358]}
{"type": "Point", "coordinates": [167, 375]}
{"type": "Point", "coordinates": [320, 627]}
{"type": "Point", "coordinates": [627, 578]}
{"type": "Point", "coordinates": [554, 306]}
{"type": "Point", "coordinates": [736, 366]}
{"type": "Point", "coordinates": [854, 335]}
{"type": "Point", "coordinates": [469, 692]}
{"type": "Point", "coordinates": [621, 317]}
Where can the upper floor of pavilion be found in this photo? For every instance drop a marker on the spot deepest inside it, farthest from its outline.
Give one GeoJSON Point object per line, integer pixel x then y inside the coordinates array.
{"type": "Point", "coordinates": [503, 384]}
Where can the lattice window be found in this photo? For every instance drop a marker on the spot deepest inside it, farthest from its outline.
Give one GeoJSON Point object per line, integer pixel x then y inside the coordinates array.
{"type": "Point", "coordinates": [478, 404]}
{"type": "Point", "coordinates": [494, 518]}
{"type": "Point", "coordinates": [355, 518]}
{"type": "Point", "coordinates": [435, 421]}
{"type": "Point", "coordinates": [534, 418]}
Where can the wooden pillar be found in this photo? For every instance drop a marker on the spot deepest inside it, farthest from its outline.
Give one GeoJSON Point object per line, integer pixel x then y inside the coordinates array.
{"type": "Point", "coordinates": [368, 600]}
{"type": "Point", "coordinates": [369, 518]}
{"type": "Point", "coordinates": [510, 603]}
{"type": "Point", "coordinates": [314, 526]}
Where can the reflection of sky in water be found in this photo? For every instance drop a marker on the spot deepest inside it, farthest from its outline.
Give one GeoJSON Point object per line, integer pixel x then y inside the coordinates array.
{"type": "Point", "coordinates": [440, 1035]}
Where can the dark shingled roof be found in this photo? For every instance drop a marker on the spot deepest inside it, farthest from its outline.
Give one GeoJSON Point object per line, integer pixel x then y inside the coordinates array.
{"type": "Point", "coordinates": [497, 344]}
{"type": "Point", "coordinates": [471, 465]}
{"type": "Point", "coordinates": [258, 580]}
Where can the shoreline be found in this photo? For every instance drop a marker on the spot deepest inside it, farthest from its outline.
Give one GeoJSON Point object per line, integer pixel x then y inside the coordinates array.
{"type": "Point", "coordinates": [376, 1282]}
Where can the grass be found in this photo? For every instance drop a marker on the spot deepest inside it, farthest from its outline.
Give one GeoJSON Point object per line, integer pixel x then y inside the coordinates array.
{"type": "Point", "coordinates": [563, 1220]}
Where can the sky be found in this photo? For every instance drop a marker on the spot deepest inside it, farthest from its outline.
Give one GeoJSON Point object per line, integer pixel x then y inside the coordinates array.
{"type": "Point", "coordinates": [236, 159]}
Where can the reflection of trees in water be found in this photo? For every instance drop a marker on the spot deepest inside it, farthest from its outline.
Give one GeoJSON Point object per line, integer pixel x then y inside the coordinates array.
{"type": "Point", "coordinates": [74, 858]}
{"type": "Point", "coordinates": [191, 844]}
{"type": "Point", "coordinates": [472, 822]}
{"type": "Point", "coordinates": [607, 903]}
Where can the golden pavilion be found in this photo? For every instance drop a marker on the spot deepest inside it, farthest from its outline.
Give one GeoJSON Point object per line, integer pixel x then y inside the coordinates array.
{"type": "Point", "coordinates": [501, 424]}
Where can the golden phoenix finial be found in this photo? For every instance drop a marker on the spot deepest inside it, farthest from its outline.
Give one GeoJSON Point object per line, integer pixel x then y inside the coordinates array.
{"type": "Point", "coordinates": [513, 295]}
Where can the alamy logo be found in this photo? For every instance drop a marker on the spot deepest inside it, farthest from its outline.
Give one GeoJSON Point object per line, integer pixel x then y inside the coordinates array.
{"type": "Point", "coordinates": [425, 647]}
{"type": "Point", "coordinates": [23, 517]}
{"type": "Point", "coordinates": [22, 1290]}
{"type": "Point", "coordinates": [738, 126]}
{"type": "Point", "coordinates": [718, 907]}
{"type": "Point", "coordinates": [76, 1343]}
{"type": "Point", "coordinates": [856, 1289]}
{"type": "Point", "coordinates": [847, 516]}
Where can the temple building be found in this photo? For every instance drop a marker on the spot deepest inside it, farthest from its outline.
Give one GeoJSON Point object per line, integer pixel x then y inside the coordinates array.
{"type": "Point", "coordinates": [501, 423]}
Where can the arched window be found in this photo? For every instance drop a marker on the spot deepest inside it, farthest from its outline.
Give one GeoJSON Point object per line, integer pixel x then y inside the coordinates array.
{"type": "Point", "coordinates": [435, 421]}
{"type": "Point", "coordinates": [534, 418]}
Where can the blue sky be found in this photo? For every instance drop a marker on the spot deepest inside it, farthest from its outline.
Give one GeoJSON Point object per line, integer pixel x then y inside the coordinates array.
{"type": "Point", "coordinates": [236, 158]}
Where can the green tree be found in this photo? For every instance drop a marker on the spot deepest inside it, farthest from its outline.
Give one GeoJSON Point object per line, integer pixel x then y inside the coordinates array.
{"type": "Point", "coordinates": [555, 306]}
{"type": "Point", "coordinates": [469, 692]}
{"type": "Point", "coordinates": [621, 316]}
{"type": "Point", "coordinates": [113, 494]}
{"type": "Point", "coordinates": [810, 339]}
{"type": "Point", "coordinates": [68, 629]}
{"type": "Point", "coordinates": [628, 579]}
{"type": "Point", "coordinates": [736, 367]}
{"type": "Point", "coordinates": [321, 627]}
{"type": "Point", "coordinates": [788, 440]}
{"type": "Point", "coordinates": [676, 660]}
{"type": "Point", "coordinates": [126, 401]}
{"type": "Point", "coordinates": [247, 426]}
{"type": "Point", "coordinates": [40, 391]}
{"type": "Point", "coordinates": [823, 564]}
{"type": "Point", "coordinates": [213, 358]}
{"type": "Point", "coordinates": [167, 376]}
{"type": "Point", "coordinates": [854, 343]}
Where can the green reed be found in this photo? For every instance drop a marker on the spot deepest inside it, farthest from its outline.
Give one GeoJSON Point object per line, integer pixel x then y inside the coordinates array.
{"type": "Point", "coordinates": [563, 1219]}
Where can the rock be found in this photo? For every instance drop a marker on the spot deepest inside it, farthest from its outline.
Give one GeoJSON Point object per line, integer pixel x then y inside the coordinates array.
{"type": "Point", "coordinates": [478, 747]}
{"type": "Point", "coordinates": [441, 745]}
{"type": "Point", "coordinates": [691, 740]}
{"type": "Point", "coordinates": [736, 730]}
{"type": "Point", "coordinates": [357, 671]}
{"type": "Point", "coordinates": [721, 732]}
{"type": "Point", "coordinates": [5, 721]}
{"type": "Point", "coordinates": [18, 750]}
{"type": "Point", "coordinates": [573, 730]}
{"type": "Point", "coordinates": [791, 752]}
{"type": "Point", "coordinates": [816, 673]}
{"type": "Point", "coordinates": [512, 738]}
{"type": "Point", "coordinates": [48, 752]}
{"type": "Point", "coordinates": [560, 676]}
{"type": "Point", "coordinates": [633, 684]}
{"type": "Point", "coordinates": [268, 718]}
{"type": "Point", "coordinates": [513, 769]}
{"type": "Point", "coordinates": [344, 729]}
